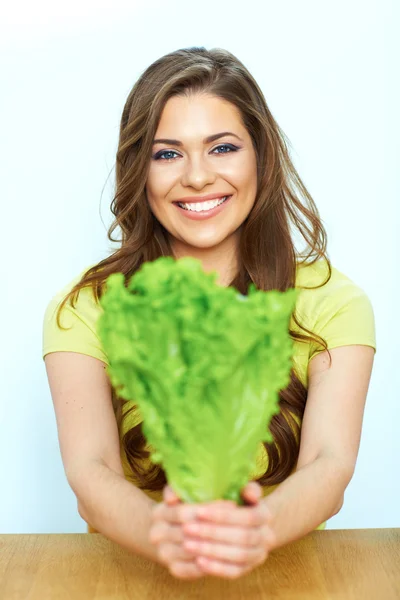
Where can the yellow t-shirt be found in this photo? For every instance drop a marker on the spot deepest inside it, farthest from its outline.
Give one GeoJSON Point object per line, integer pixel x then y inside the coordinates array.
{"type": "Point", "coordinates": [340, 312]}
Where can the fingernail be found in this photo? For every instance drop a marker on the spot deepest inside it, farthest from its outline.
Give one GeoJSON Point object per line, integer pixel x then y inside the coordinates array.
{"type": "Point", "coordinates": [192, 528]}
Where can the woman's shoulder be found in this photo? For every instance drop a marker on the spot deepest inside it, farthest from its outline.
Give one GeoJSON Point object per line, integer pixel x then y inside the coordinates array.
{"type": "Point", "coordinates": [338, 309]}
{"type": "Point", "coordinates": [310, 275]}
{"type": "Point", "coordinates": [320, 294]}
{"type": "Point", "coordinates": [317, 283]}
{"type": "Point", "coordinates": [78, 331]}
{"type": "Point", "coordinates": [85, 300]}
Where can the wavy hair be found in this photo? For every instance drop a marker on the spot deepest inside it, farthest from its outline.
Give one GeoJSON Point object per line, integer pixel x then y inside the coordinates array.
{"type": "Point", "coordinates": [267, 253]}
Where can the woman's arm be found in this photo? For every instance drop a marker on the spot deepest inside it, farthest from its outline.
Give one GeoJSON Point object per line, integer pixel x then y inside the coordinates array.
{"type": "Point", "coordinates": [330, 438]}
{"type": "Point", "coordinates": [230, 541]}
{"type": "Point", "coordinates": [115, 508]}
{"type": "Point", "coordinates": [90, 450]}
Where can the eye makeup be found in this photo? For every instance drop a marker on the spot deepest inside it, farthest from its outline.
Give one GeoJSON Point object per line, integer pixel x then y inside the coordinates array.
{"type": "Point", "coordinates": [158, 155]}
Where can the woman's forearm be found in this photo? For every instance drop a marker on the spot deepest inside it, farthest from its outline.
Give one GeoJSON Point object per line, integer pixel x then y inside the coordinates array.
{"type": "Point", "coordinates": [115, 508]}
{"type": "Point", "coordinates": [306, 499]}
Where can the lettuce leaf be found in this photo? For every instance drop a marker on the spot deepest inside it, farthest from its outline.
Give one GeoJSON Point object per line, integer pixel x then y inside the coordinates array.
{"type": "Point", "coordinates": [204, 364]}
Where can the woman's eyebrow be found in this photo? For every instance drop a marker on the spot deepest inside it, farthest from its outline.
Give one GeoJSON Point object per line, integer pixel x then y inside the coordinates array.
{"type": "Point", "coordinates": [207, 140]}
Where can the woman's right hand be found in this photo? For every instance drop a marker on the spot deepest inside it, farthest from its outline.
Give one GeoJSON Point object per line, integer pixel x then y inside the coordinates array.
{"type": "Point", "coordinates": [166, 533]}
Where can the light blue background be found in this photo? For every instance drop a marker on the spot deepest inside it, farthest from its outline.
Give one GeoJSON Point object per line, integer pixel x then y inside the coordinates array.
{"type": "Point", "coordinates": [328, 72]}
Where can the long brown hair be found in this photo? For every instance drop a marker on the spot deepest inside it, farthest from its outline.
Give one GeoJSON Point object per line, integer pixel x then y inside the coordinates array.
{"type": "Point", "coordinates": [267, 253]}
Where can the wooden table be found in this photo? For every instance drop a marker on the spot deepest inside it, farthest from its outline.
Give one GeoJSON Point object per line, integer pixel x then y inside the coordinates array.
{"type": "Point", "coordinates": [359, 564]}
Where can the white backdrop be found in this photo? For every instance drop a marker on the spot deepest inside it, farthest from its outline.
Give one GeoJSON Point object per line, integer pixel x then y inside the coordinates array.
{"type": "Point", "coordinates": [328, 75]}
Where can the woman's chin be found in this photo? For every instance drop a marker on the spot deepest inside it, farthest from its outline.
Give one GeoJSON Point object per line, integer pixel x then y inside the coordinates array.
{"type": "Point", "coordinates": [202, 243]}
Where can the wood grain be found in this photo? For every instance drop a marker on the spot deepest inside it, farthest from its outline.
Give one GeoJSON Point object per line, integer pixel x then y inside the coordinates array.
{"type": "Point", "coordinates": [359, 564]}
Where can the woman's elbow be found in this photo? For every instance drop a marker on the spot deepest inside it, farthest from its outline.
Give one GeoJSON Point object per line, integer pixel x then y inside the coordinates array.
{"type": "Point", "coordinates": [338, 506]}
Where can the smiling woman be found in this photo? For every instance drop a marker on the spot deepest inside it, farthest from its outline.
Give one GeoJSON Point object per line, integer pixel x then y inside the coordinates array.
{"type": "Point", "coordinates": [196, 162]}
{"type": "Point", "coordinates": [203, 170]}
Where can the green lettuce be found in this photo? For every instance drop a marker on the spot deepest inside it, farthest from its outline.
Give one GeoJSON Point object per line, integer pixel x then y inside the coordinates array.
{"type": "Point", "coordinates": [204, 364]}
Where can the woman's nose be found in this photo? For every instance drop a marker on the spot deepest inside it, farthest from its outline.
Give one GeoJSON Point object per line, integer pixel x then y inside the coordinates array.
{"type": "Point", "coordinates": [197, 173]}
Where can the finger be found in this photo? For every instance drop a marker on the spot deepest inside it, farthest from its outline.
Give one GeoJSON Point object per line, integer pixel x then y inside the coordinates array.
{"type": "Point", "coordinates": [229, 534]}
{"type": "Point", "coordinates": [169, 496]}
{"type": "Point", "coordinates": [178, 513]}
{"type": "Point", "coordinates": [222, 503]}
{"type": "Point", "coordinates": [169, 553]}
{"type": "Point", "coordinates": [252, 492]}
{"type": "Point", "coordinates": [222, 569]}
{"type": "Point", "coordinates": [186, 570]}
{"type": "Point", "coordinates": [251, 516]}
{"type": "Point", "coordinates": [226, 552]}
{"type": "Point", "coordinates": [183, 512]}
{"type": "Point", "coordinates": [161, 531]}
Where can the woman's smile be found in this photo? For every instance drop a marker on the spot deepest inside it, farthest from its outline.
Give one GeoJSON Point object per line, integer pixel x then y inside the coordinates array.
{"type": "Point", "coordinates": [202, 210]}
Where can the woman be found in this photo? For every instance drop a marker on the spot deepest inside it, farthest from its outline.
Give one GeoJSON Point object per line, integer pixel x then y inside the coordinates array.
{"type": "Point", "coordinates": [203, 170]}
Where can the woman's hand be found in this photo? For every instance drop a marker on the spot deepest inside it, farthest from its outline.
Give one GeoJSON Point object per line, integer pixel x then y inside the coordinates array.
{"type": "Point", "coordinates": [167, 534]}
{"type": "Point", "coordinates": [229, 541]}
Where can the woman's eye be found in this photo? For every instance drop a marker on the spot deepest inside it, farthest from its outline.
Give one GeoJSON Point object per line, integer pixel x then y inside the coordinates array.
{"type": "Point", "coordinates": [230, 147]}
{"type": "Point", "coordinates": [161, 155]}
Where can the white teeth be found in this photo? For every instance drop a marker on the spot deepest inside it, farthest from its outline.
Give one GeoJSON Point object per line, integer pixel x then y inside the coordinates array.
{"type": "Point", "coordinates": [202, 206]}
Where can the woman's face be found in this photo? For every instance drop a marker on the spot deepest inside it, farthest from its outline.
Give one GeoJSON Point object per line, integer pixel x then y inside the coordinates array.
{"type": "Point", "coordinates": [186, 166]}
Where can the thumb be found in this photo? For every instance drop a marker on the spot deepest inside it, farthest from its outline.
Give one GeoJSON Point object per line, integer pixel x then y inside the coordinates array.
{"type": "Point", "coordinates": [251, 493]}
{"type": "Point", "coordinates": [169, 496]}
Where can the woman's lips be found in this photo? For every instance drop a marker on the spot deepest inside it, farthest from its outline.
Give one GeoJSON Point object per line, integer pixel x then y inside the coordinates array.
{"type": "Point", "coordinates": [204, 214]}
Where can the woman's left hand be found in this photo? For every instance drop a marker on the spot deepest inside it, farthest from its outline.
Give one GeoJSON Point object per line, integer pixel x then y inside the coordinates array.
{"type": "Point", "coordinates": [229, 541]}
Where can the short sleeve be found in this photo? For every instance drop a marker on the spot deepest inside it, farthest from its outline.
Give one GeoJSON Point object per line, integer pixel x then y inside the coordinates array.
{"type": "Point", "coordinates": [345, 316]}
{"type": "Point", "coordinates": [80, 334]}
